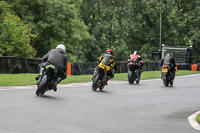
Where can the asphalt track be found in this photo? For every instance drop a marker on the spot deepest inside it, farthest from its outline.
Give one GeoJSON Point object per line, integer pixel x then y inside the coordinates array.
{"type": "Point", "coordinates": [121, 108]}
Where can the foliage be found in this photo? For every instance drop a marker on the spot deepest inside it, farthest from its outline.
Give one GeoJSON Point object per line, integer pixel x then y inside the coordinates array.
{"type": "Point", "coordinates": [55, 22]}
{"type": "Point", "coordinates": [137, 23]}
{"type": "Point", "coordinates": [15, 36]}
{"type": "Point", "coordinates": [88, 27]}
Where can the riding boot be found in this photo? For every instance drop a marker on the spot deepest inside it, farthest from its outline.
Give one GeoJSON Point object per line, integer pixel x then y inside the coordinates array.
{"type": "Point", "coordinates": [55, 85]}
{"type": "Point", "coordinates": [137, 74]}
{"type": "Point", "coordinates": [40, 73]}
{"type": "Point", "coordinates": [95, 73]}
{"type": "Point", "coordinates": [55, 88]}
{"type": "Point", "coordinates": [106, 82]}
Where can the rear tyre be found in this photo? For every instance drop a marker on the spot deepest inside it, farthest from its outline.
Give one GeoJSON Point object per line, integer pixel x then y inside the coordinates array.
{"type": "Point", "coordinates": [165, 81]}
{"type": "Point", "coordinates": [95, 83]}
{"type": "Point", "coordinates": [130, 77]}
{"type": "Point", "coordinates": [42, 86]}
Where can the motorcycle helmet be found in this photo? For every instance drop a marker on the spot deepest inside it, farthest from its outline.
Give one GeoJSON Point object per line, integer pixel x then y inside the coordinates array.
{"type": "Point", "coordinates": [109, 51]}
{"type": "Point", "coordinates": [136, 53]}
{"type": "Point", "coordinates": [61, 46]}
{"type": "Point", "coordinates": [169, 55]}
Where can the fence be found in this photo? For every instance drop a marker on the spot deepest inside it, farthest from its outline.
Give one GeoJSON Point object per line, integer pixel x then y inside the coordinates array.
{"type": "Point", "coordinates": [181, 54]}
{"type": "Point", "coordinates": [10, 65]}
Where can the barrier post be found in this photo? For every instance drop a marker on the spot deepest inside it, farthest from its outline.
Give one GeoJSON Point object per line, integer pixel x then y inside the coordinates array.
{"type": "Point", "coordinates": [194, 67]}
{"type": "Point", "coordinates": [68, 68]}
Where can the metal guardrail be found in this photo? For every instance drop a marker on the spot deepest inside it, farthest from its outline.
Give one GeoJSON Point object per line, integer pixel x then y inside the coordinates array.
{"type": "Point", "coordinates": [10, 65]}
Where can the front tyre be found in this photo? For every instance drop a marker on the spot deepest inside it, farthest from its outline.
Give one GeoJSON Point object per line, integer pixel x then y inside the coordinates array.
{"type": "Point", "coordinates": [42, 86]}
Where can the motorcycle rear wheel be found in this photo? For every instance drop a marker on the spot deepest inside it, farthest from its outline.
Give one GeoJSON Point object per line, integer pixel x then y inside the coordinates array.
{"type": "Point", "coordinates": [130, 77]}
{"type": "Point", "coordinates": [165, 81]}
{"type": "Point", "coordinates": [95, 83]}
{"type": "Point", "coordinates": [42, 86]}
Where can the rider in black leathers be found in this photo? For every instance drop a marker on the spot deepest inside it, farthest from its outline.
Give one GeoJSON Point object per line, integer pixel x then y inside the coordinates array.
{"type": "Point", "coordinates": [169, 60]}
{"type": "Point", "coordinates": [58, 58]}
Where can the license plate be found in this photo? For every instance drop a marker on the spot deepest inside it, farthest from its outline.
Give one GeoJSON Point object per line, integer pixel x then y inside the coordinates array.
{"type": "Point", "coordinates": [164, 70]}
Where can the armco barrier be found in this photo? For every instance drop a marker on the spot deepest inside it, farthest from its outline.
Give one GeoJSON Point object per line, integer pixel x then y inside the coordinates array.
{"type": "Point", "coordinates": [10, 65]}
{"type": "Point", "coordinates": [82, 68]}
{"type": "Point", "coordinates": [88, 67]}
{"type": "Point", "coordinates": [184, 66]}
{"type": "Point", "coordinates": [198, 66]}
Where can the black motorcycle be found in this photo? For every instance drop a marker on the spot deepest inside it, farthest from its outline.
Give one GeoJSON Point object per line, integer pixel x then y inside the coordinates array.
{"type": "Point", "coordinates": [134, 73]}
{"type": "Point", "coordinates": [47, 80]}
{"type": "Point", "coordinates": [167, 75]}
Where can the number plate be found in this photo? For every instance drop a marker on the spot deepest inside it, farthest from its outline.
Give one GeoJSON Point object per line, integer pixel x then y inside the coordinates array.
{"type": "Point", "coordinates": [164, 70]}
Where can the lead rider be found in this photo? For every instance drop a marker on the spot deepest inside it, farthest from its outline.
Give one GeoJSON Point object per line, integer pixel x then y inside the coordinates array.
{"type": "Point", "coordinates": [58, 58]}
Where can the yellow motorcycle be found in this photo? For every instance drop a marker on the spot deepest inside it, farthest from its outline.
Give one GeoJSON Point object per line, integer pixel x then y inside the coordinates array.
{"type": "Point", "coordinates": [100, 77]}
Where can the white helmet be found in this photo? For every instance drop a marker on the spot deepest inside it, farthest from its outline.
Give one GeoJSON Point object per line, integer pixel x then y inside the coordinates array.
{"type": "Point", "coordinates": [136, 53]}
{"type": "Point", "coordinates": [61, 46]}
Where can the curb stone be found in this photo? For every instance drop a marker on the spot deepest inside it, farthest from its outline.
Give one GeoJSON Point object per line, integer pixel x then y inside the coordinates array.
{"type": "Point", "coordinates": [193, 122]}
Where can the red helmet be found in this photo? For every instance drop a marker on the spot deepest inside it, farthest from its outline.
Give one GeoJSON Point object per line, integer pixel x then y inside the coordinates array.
{"type": "Point", "coordinates": [109, 51]}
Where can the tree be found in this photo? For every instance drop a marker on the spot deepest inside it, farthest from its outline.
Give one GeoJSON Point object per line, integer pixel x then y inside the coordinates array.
{"type": "Point", "coordinates": [108, 24]}
{"type": "Point", "coordinates": [88, 28]}
{"type": "Point", "coordinates": [15, 36]}
{"type": "Point", "coordinates": [54, 22]}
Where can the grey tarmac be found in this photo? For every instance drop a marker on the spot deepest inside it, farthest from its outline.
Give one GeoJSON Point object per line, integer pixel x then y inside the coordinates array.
{"type": "Point", "coordinates": [121, 108]}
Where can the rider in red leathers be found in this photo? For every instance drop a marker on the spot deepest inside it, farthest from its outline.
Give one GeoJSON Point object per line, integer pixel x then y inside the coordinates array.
{"type": "Point", "coordinates": [136, 57]}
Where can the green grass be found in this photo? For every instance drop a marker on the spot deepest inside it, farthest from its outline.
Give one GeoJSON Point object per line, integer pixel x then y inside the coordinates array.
{"type": "Point", "coordinates": [198, 118]}
{"type": "Point", "coordinates": [29, 79]}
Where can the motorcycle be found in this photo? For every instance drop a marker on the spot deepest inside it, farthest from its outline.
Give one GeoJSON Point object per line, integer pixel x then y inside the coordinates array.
{"type": "Point", "coordinates": [133, 73]}
{"type": "Point", "coordinates": [100, 77]}
{"type": "Point", "coordinates": [167, 75]}
{"type": "Point", "coordinates": [47, 80]}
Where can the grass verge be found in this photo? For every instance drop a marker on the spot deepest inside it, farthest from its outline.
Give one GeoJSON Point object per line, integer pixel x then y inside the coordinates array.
{"type": "Point", "coordinates": [198, 118]}
{"type": "Point", "coordinates": [29, 79]}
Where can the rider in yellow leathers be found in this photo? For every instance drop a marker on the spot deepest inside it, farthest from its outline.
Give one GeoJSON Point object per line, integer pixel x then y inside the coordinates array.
{"type": "Point", "coordinates": [107, 60]}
